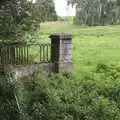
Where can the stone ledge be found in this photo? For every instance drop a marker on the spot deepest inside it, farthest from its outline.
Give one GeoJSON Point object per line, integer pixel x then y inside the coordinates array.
{"type": "Point", "coordinates": [23, 71]}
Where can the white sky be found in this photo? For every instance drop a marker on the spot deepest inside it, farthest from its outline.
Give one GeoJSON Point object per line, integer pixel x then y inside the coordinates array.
{"type": "Point", "coordinates": [62, 8]}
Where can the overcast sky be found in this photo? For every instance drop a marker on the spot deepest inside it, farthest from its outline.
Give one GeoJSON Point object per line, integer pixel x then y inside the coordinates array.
{"type": "Point", "coordinates": [62, 8]}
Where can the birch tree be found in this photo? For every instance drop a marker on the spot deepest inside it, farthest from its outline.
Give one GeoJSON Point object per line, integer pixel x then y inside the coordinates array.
{"type": "Point", "coordinates": [96, 12]}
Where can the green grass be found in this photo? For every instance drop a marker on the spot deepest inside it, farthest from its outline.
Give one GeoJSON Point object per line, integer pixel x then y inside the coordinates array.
{"type": "Point", "coordinates": [91, 93]}
{"type": "Point", "coordinates": [91, 45]}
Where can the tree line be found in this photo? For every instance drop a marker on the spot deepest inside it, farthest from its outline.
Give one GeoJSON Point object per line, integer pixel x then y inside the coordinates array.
{"type": "Point", "coordinates": [18, 16]}
{"type": "Point", "coordinates": [96, 12]}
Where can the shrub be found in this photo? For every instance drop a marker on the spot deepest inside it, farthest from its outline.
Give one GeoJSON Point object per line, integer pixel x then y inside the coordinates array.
{"type": "Point", "coordinates": [67, 97]}
{"type": "Point", "coordinates": [8, 105]}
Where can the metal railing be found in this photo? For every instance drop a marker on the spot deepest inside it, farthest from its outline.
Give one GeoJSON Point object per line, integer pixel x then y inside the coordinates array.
{"type": "Point", "coordinates": [25, 54]}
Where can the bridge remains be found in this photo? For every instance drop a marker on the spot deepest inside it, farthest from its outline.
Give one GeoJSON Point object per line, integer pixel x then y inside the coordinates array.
{"type": "Point", "coordinates": [25, 59]}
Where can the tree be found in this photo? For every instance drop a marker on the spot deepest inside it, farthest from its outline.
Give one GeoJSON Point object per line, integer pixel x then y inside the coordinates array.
{"type": "Point", "coordinates": [18, 16]}
{"type": "Point", "coordinates": [96, 12]}
{"type": "Point", "coordinates": [47, 9]}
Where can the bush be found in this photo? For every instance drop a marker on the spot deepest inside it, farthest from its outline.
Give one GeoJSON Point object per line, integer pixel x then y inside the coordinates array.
{"type": "Point", "coordinates": [65, 96]}
{"type": "Point", "coordinates": [8, 105]}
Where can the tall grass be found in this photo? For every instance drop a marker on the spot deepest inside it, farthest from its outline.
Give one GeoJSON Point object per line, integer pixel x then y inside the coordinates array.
{"type": "Point", "coordinates": [65, 96]}
{"type": "Point", "coordinates": [91, 92]}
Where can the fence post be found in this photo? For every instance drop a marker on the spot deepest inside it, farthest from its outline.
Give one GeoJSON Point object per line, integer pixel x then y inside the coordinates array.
{"type": "Point", "coordinates": [61, 52]}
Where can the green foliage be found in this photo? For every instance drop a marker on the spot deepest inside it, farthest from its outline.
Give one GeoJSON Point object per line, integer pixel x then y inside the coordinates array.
{"type": "Point", "coordinates": [63, 96]}
{"type": "Point", "coordinates": [91, 45]}
{"type": "Point", "coordinates": [69, 97]}
{"type": "Point", "coordinates": [8, 105]}
{"type": "Point", "coordinates": [96, 12]}
{"type": "Point", "coordinates": [19, 16]}
{"type": "Point", "coordinates": [92, 92]}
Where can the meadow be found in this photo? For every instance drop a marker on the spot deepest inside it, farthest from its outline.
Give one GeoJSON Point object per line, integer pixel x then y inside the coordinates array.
{"type": "Point", "coordinates": [90, 92]}
{"type": "Point", "coordinates": [91, 45]}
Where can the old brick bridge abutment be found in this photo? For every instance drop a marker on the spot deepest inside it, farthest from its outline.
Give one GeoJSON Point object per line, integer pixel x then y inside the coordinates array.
{"type": "Point", "coordinates": [55, 57]}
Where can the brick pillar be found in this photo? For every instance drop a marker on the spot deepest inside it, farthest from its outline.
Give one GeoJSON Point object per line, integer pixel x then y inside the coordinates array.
{"type": "Point", "coordinates": [61, 52]}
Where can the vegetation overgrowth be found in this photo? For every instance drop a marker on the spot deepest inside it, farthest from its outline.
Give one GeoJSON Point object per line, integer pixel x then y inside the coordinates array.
{"type": "Point", "coordinates": [65, 96]}
{"type": "Point", "coordinates": [90, 92]}
{"type": "Point", "coordinates": [20, 16]}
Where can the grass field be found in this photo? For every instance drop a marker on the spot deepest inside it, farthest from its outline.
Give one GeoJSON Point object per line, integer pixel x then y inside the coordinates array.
{"type": "Point", "coordinates": [91, 45]}
{"type": "Point", "coordinates": [91, 92]}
